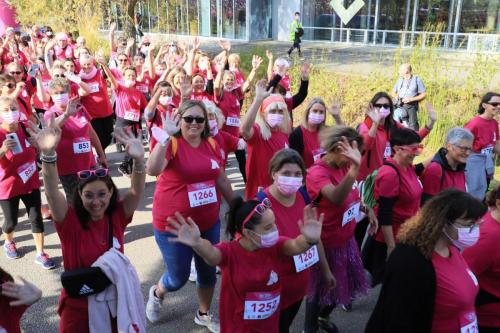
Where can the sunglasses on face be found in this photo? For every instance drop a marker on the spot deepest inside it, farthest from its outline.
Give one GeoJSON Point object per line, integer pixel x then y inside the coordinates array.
{"type": "Point", "coordinates": [493, 104]}
{"type": "Point", "coordinates": [99, 173]}
{"type": "Point", "coordinates": [190, 119]}
{"type": "Point", "coordinates": [413, 149]}
{"type": "Point", "coordinates": [259, 209]}
{"type": "Point", "coordinates": [122, 60]}
{"type": "Point", "coordinates": [387, 106]}
{"type": "Point", "coordinates": [59, 75]}
{"type": "Point", "coordinates": [15, 73]}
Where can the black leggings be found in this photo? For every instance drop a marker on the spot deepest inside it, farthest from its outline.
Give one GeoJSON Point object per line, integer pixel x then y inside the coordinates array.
{"type": "Point", "coordinates": [103, 127]}
{"type": "Point", "coordinates": [288, 315]}
{"type": "Point", "coordinates": [313, 312]}
{"type": "Point", "coordinates": [483, 329]}
{"type": "Point", "coordinates": [69, 184]}
{"type": "Point", "coordinates": [134, 126]}
{"type": "Point", "coordinates": [10, 208]}
{"type": "Point", "coordinates": [296, 45]}
{"type": "Point", "coordinates": [241, 157]}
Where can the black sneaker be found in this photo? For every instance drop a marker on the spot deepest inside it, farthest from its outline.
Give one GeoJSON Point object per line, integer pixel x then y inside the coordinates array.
{"type": "Point", "coordinates": [325, 326]}
{"type": "Point", "coordinates": [347, 307]}
{"type": "Point", "coordinates": [124, 170]}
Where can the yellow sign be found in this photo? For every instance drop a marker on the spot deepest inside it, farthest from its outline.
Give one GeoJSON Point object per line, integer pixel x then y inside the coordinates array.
{"type": "Point", "coordinates": [346, 14]}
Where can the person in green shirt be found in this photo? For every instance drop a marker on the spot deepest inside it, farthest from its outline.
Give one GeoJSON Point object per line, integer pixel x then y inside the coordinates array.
{"type": "Point", "coordinates": [296, 32]}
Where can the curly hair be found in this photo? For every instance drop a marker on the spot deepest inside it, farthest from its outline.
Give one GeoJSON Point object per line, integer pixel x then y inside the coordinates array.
{"type": "Point", "coordinates": [424, 229]}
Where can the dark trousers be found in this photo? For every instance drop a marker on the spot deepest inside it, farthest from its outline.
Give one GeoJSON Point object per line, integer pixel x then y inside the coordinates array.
{"type": "Point", "coordinates": [483, 329]}
{"type": "Point", "coordinates": [69, 184]}
{"type": "Point", "coordinates": [296, 45]}
{"type": "Point", "coordinates": [134, 126]}
{"type": "Point", "coordinates": [103, 128]}
{"type": "Point", "coordinates": [241, 157]}
{"type": "Point", "coordinates": [411, 115]}
{"type": "Point", "coordinates": [288, 315]}
{"type": "Point", "coordinates": [33, 203]}
{"type": "Point", "coordinates": [360, 231]}
{"type": "Point", "coordinates": [313, 312]}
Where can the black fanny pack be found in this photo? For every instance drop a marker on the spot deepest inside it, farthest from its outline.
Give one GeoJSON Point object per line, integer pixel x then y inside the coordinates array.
{"type": "Point", "coordinates": [82, 282]}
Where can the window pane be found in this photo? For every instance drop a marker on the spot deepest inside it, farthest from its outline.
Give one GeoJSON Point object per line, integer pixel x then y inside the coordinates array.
{"type": "Point", "coordinates": [481, 16]}
{"type": "Point", "coordinates": [261, 19]}
{"type": "Point", "coordinates": [240, 19]}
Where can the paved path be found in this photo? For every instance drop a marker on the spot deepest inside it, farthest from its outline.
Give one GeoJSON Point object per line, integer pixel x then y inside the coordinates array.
{"type": "Point", "coordinates": [179, 307]}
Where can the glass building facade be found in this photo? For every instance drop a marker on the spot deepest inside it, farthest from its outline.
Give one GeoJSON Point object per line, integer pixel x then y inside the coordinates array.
{"type": "Point", "coordinates": [454, 24]}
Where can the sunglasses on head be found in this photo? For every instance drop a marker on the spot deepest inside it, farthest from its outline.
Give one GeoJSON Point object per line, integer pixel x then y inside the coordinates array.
{"type": "Point", "coordinates": [99, 173]}
{"type": "Point", "coordinates": [413, 149]}
{"type": "Point", "coordinates": [387, 106]}
{"type": "Point", "coordinates": [494, 104]}
{"type": "Point", "coordinates": [259, 209]}
{"type": "Point", "coordinates": [190, 119]}
{"type": "Point", "coordinates": [15, 73]}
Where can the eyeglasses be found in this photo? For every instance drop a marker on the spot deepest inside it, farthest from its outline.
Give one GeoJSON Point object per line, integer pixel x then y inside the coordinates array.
{"type": "Point", "coordinates": [10, 85]}
{"type": "Point", "coordinates": [59, 75]}
{"type": "Point", "coordinates": [146, 44]}
{"type": "Point", "coordinates": [493, 104]}
{"type": "Point", "coordinates": [15, 73]}
{"type": "Point", "coordinates": [190, 119]}
{"type": "Point", "coordinates": [464, 149]}
{"type": "Point", "coordinates": [387, 106]}
{"type": "Point", "coordinates": [259, 209]}
{"type": "Point", "coordinates": [476, 224]}
{"type": "Point", "coordinates": [413, 149]}
{"type": "Point", "coordinates": [99, 173]}
{"type": "Point", "coordinates": [122, 60]}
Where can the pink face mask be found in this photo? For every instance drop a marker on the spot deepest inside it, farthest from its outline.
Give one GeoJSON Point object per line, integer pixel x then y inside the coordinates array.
{"type": "Point", "coordinates": [274, 119]}
{"type": "Point", "coordinates": [384, 112]}
{"type": "Point", "coordinates": [288, 185]}
{"type": "Point", "coordinates": [316, 118]}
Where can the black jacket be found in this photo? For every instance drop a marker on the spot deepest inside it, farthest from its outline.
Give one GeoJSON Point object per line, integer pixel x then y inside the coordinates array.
{"type": "Point", "coordinates": [406, 301]}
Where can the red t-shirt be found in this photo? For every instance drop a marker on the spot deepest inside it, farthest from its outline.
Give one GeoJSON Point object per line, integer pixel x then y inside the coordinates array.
{"type": "Point", "coordinates": [227, 144]}
{"type": "Point", "coordinates": [485, 133]}
{"type": "Point", "coordinates": [293, 284]}
{"type": "Point", "coordinates": [74, 151]}
{"type": "Point", "coordinates": [230, 106]}
{"type": "Point", "coordinates": [188, 185]}
{"type": "Point", "coordinates": [484, 260]}
{"type": "Point", "coordinates": [260, 152]}
{"type": "Point", "coordinates": [144, 86]}
{"type": "Point", "coordinates": [129, 103]}
{"type": "Point", "coordinates": [407, 189]}
{"type": "Point", "coordinates": [339, 222]}
{"type": "Point", "coordinates": [67, 52]}
{"type": "Point", "coordinates": [45, 84]}
{"type": "Point", "coordinates": [456, 290]}
{"type": "Point", "coordinates": [25, 110]}
{"type": "Point", "coordinates": [434, 182]}
{"type": "Point", "coordinates": [81, 248]}
{"type": "Point", "coordinates": [245, 274]}
{"type": "Point", "coordinates": [117, 74]}
{"type": "Point", "coordinates": [11, 315]}
{"type": "Point", "coordinates": [312, 149]}
{"type": "Point", "coordinates": [18, 172]}
{"type": "Point", "coordinates": [97, 103]}
{"type": "Point", "coordinates": [202, 96]}
{"type": "Point", "coordinates": [378, 148]}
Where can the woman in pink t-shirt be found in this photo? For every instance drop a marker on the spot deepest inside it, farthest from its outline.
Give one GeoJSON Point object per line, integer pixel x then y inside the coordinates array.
{"type": "Point", "coordinates": [427, 286]}
{"type": "Point", "coordinates": [480, 166]}
{"type": "Point", "coordinates": [251, 265]}
{"type": "Point", "coordinates": [265, 128]}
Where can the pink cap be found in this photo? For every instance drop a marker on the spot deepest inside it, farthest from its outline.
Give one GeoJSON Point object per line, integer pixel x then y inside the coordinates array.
{"type": "Point", "coordinates": [273, 101]}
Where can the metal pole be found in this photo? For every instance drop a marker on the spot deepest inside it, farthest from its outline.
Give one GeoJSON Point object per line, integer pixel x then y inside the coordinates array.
{"type": "Point", "coordinates": [188, 24]}
{"type": "Point", "coordinates": [407, 21]}
{"type": "Point", "coordinates": [414, 22]}
{"type": "Point", "coordinates": [369, 14]}
{"type": "Point", "coordinates": [234, 27]}
{"type": "Point", "coordinates": [375, 24]}
{"type": "Point", "coordinates": [149, 16]}
{"type": "Point", "coordinates": [457, 23]}
{"type": "Point", "coordinates": [450, 23]}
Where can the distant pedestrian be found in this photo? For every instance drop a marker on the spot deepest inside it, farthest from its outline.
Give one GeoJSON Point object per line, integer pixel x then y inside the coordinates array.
{"type": "Point", "coordinates": [409, 91]}
{"type": "Point", "coordinates": [296, 32]}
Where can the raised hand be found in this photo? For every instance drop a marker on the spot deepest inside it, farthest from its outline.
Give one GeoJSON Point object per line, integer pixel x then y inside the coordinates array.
{"type": "Point", "coordinates": [350, 150]}
{"type": "Point", "coordinates": [47, 138]}
{"type": "Point", "coordinates": [260, 90]}
{"type": "Point", "coordinates": [269, 55]}
{"type": "Point", "coordinates": [73, 107]}
{"type": "Point", "coordinates": [196, 43]}
{"type": "Point", "coordinates": [171, 122]}
{"type": "Point", "coordinates": [373, 113]}
{"type": "Point", "coordinates": [225, 45]}
{"type": "Point", "coordinates": [256, 62]}
{"type": "Point", "coordinates": [186, 88]}
{"type": "Point", "coordinates": [187, 232]}
{"type": "Point", "coordinates": [334, 109]}
{"type": "Point", "coordinates": [99, 58]}
{"type": "Point", "coordinates": [133, 144]}
{"type": "Point", "coordinates": [305, 71]}
{"type": "Point", "coordinates": [311, 227]}
{"type": "Point", "coordinates": [432, 112]}
{"type": "Point", "coordinates": [112, 27]}
{"type": "Point", "coordinates": [130, 42]}
{"type": "Point", "coordinates": [23, 294]}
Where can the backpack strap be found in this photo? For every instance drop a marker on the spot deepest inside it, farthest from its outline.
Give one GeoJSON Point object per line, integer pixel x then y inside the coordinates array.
{"type": "Point", "coordinates": [443, 172]}
{"type": "Point", "coordinates": [175, 145]}
{"type": "Point", "coordinates": [25, 130]}
{"type": "Point", "coordinates": [394, 167]}
{"type": "Point", "coordinates": [261, 195]}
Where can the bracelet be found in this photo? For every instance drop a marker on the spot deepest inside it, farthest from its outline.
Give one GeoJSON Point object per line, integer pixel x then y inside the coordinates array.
{"type": "Point", "coordinates": [48, 158]}
{"type": "Point", "coordinates": [310, 243]}
{"type": "Point", "coordinates": [139, 172]}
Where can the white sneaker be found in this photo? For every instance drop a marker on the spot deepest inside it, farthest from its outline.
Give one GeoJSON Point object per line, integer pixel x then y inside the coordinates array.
{"type": "Point", "coordinates": [153, 306]}
{"type": "Point", "coordinates": [209, 321]}
{"type": "Point", "coordinates": [218, 270]}
{"type": "Point", "coordinates": [192, 274]}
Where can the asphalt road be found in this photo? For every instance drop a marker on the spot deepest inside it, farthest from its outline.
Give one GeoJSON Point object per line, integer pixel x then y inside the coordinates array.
{"type": "Point", "coordinates": [179, 307]}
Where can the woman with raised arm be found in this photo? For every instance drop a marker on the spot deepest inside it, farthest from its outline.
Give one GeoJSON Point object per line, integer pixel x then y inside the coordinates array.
{"type": "Point", "coordinates": [251, 264]}
{"type": "Point", "coordinates": [84, 223]}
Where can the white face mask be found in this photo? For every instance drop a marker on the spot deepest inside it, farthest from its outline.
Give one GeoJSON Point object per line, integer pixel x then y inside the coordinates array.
{"type": "Point", "coordinates": [202, 65]}
{"type": "Point", "coordinates": [129, 83]}
{"type": "Point", "coordinates": [274, 119]}
{"type": "Point", "coordinates": [165, 100]}
{"type": "Point", "coordinates": [316, 118]}
{"type": "Point", "coordinates": [212, 123]}
{"type": "Point", "coordinates": [466, 237]}
{"type": "Point", "coordinates": [60, 99]}
{"type": "Point", "coordinates": [267, 240]}
{"type": "Point", "coordinates": [10, 117]}
{"type": "Point", "coordinates": [288, 185]}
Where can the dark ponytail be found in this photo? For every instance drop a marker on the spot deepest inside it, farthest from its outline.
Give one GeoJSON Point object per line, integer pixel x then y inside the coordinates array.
{"type": "Point", "coordinates": [238, 211]}
{"type": "Point", "coordinates": [4, 276]}
{"type": "Point", "coordinates": [486, 98]}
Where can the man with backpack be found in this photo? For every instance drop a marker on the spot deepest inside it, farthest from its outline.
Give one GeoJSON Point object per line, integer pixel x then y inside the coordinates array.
{"type": "Point", "coordinates": [296, 31]}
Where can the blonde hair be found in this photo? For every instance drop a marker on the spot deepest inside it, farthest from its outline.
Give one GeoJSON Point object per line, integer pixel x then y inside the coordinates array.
{"type": "Point", "coordinates": [234, 57]}
{"type": "Point", "coordinates": [265, 130]}
{"type": "Point", "coordinates": [315, 100]}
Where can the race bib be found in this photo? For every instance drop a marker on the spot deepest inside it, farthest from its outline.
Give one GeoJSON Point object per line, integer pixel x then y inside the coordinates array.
{"type": "Point", "coordinates": [201, 194]}
{"type": "Point", "coordinates": [132, 116]}
{"type": "Point", "coordinates": [468, 323]}
{"type": "Point", "coordinates": [26, 170]}
{"type": "Point", "coordinates": [317, 154]}
{"type": "Point", "coordinates": [487, 151]}
{"type": "Point", "coordinates": [351, 213]}
{"type": "Point", "coordinates": [233, 121]}
{"type": "Point", "coordinates": [81, 146]}
{"type": "Point", "coordinates": [306, 259]}
{"type": "Point", "coordinates": [388, 150]}
{"type": "Point", "coordinates": [261, 305]}
{"type": "Point", "coordinates": [94, 87]}
{"type": "Point", "coordinates": [142, 88]}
